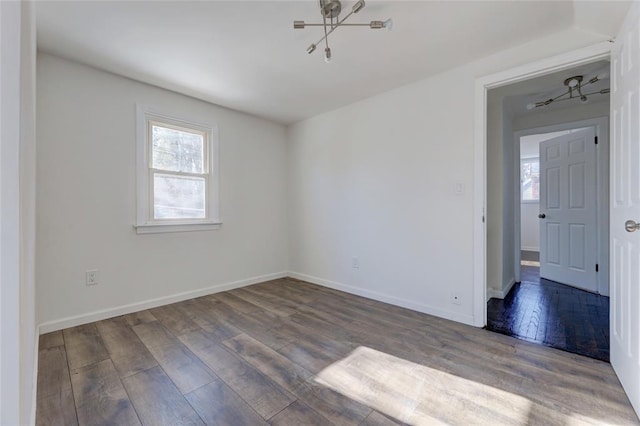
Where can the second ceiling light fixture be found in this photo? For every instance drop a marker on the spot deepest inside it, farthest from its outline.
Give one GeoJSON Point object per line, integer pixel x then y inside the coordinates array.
{"type": "Point", "coordinates": [330, 11]}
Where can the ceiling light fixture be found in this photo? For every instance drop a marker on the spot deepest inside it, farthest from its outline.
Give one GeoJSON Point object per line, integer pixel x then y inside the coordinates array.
{"type": "Point", "coordinates": [574, 91]}
{"type": "Point", "coordinates": [330, 11]}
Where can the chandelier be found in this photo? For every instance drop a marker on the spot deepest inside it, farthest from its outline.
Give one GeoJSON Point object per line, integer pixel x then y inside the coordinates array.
{"type": "Point", "coordinates": [574, 90]}
{"type": "Point", "coordinates": [330, 11]}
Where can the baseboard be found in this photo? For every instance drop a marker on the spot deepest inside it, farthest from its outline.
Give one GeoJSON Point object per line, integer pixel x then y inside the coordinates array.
{"type": "Point", "coordinates": [500, 294]}
{"type": "Point", "coordinates": [73, 321]}
{"type": "Point", "coordinates": [494, 294]}
{"type": "Point", "coordinates": [381, 297]}
{"type": "Point", "coordinates": [507, 289]}
{"type": "Point", "coordinates": [530, 249]}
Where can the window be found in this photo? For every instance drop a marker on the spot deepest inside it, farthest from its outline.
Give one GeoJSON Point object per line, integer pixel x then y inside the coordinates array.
{"type": "Point", "coordinates": [177, 174]}
{"type": "Point", "coordinates": [530, 180]}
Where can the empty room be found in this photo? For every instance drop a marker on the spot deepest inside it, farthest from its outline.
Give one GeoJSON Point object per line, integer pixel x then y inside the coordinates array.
{"type": "Point", "coordinates": [319, 212]}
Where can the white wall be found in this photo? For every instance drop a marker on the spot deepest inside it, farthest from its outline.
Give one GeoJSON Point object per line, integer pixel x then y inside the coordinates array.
{"type": "Point", "coordinates": [17, 212]}
{"type": "Point", "coordinates": [376, 180]}
{"type": "Point", "coordinates": [500, 197]}
{"type": "Point", "coordinates": [529, 227]}
{"type": "Point", "coordinates": [87, 206]}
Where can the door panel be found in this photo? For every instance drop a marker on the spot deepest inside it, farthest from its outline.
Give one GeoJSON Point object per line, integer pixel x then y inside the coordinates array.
{"type": "Point", "coordinates": [625, 205]}
{"type": "Point", "coordinates": [568, 232]}
{"type": "Point", "coordinates": [553, 188]}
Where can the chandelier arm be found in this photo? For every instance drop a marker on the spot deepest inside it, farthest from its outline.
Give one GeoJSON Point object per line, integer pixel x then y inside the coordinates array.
{"type": "Point", "coordinates": [342, 25]}
{"type": "Point", "coordinates": [324, 24]}
{"type": "Point", "coordinates": [334, 28]}
{"type": "Point", "coordinates": [600, 92]}
{"type": "Point", "coordinates": [557, 98]}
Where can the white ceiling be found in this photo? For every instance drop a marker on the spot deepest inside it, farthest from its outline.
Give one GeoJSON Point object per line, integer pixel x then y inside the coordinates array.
{"type": "Point", "coordinates": [246, 55]}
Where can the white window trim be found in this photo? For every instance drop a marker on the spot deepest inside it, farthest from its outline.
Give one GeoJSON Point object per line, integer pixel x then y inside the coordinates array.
{"type": "Point", "coordinates": [529, 160]}
{"type": "Point", "coordinates": [145, 224]}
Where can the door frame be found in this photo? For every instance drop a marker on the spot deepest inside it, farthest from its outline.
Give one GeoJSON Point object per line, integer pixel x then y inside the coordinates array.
{"type": "Point", "coordinates": [601, 127]}
{"type": "Point", "coordinates": [482, 86]}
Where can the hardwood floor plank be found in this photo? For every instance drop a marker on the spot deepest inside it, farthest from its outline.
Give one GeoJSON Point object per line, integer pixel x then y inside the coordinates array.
{"type": "Point", "coordinates": [57, 409]}
{"type": "Point", "coordinates": [298, 413]}
{"type": "Point", "coordinates": [280, 288]}
{"type": "Point", "coordinates": [84, 346]}
{"type": "Point", "coordinates": [332, 405]}
{"type": "Point", "coordinates": [203, 313]}
{"type": "Point", "coordinates": [174, 320]}
{"type": "Point", "coordinates": [158, 401]}
{"type": "Point", "coordinates": [50, 340]}
{"type": "Point", "coordinates": [254, 324]}
{"type": "Point", "coordinates": [53, 372]}
{"type": "Point", "coordinates": [316, 353]}
{"type": "Point", "coordinates": [218, 404]}
{"type": "Point", "coordinates": [128, 353]}
{"type": "Point", "coordinates": [281, 309]}
{"type": "Point", "coordinates": [272, 364]}
{"type": "Point", "coordinates": [180, 364]}
{"type": "Point", "coordinates": [377, 419]}
{"type": "Point", "coordinates": [141, 317]}
{"type": "Point", "coordinates": [236, 303]}
{"type": "Point", "coordinates": [264, 395]}
{"type": "Point", "coordinates": [100, 398]}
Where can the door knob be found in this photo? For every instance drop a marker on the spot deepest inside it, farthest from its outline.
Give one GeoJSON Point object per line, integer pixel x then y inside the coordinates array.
{"type": "Point", "coordinates": [542, 216]}
{"type": "Point", "coordinates": [631, 226]}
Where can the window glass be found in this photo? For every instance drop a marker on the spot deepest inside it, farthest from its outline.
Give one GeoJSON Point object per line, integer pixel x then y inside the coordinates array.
{"type": "Point", "coordinates": [177, 150]}
{"type": "Point", "coordinates": [178, 197]}
{"type": "Point", "coordinates": [530, 179]}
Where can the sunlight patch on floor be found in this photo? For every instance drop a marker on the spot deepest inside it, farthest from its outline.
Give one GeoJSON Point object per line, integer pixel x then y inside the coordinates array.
{"type": "Point", "coordinates": [419, 395]}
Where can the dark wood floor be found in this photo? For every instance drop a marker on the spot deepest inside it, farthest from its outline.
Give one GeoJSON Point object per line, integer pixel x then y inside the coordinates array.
{"type": "Point", "coordinates": [291, 353]}
{"type": "Point", "coordinates": [553, 314]}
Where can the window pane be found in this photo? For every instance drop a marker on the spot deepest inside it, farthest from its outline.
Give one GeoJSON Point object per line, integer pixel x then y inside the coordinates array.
{"type": "Point", "coordinates": [177, 150]}
{"type": "Point", "coordinates": [178, 197]}
{"type": "Point", "coordinates": [530, 179]}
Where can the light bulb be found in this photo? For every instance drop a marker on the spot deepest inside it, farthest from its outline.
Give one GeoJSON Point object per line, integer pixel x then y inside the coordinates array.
{"type": "Point", "coordinates": [531, 106]}
{"type": "Point", "coordinates": [311, 49]}
{"type": "Point", "coordinates": [388, 24]}
{"type": "Point", "coordinates": [358, 6]}
{"type": "Point", "coordinates": [327, 55]}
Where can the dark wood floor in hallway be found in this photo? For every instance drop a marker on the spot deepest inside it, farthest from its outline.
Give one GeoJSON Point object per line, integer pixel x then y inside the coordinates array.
{"type": "Point", "coordinates": [553, 314]}
{"type": "Point", "coordinates": [288, 352]}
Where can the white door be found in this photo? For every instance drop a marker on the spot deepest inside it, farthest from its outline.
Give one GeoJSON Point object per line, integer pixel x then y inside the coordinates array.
{"type": "Point", "coordinates": [567, 216]}
{"type": "Point", "coordinates": [625, 205]}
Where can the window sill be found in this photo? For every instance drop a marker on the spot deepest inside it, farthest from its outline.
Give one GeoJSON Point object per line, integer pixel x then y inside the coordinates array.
{"type": "Point", "coordinates": [158, 228]}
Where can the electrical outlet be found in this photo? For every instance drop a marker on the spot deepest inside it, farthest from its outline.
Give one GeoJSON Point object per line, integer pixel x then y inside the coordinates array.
{"type": "Point", "coordinates": [355, 263]}
{"type": "Point", "coordinates": [455, 298]}
{"type": "Point", "coordinates": [92, 276]}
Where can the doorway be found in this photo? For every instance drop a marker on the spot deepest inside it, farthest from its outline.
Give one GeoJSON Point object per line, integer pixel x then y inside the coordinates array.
{"type": "Point", "coordinates": [541, 310]}
{"type": "Point", "coordinates": [519, 302]}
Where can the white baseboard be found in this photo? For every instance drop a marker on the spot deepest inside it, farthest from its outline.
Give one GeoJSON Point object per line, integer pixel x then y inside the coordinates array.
{"type": "Point", "coordinates": [492, 293]}
{"type": "Point", "coordinates": [381, 297]}
{"type": "Point", "coordinates": [75, 320]}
